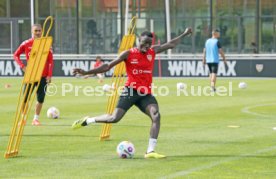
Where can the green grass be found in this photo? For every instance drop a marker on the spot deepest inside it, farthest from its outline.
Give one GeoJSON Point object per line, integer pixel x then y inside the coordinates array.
{"type": "Point", "coordinates": [194, 135]}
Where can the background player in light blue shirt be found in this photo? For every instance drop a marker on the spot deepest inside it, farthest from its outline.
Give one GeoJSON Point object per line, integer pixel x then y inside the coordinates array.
{"type": "Point", "coordinates": [211, 56]}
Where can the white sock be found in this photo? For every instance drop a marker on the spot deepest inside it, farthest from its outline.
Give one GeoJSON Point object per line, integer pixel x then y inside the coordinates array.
{"type": "Point", "coordinates": [90, 120]}
{"type": "Point", "coordinates": [152, 144]}
{"type": "Point", "coordinates": [36, 117]}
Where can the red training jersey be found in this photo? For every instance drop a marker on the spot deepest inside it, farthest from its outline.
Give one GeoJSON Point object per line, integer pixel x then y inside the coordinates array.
{"type": "Point", "coordinates": [139, 68]}
{"type": "Point", "coordinates": [97, 64]}
{"type": "Point", "coordinates": [26, 48]}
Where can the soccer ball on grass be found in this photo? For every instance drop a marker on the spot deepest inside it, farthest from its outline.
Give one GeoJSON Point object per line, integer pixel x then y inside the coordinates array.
{"type": "Point", "coordinates": [53, 113]}
{"type": "Point", "coordinates": [125, 149]}
{"type": "Point", "coordinates": [242, 85]}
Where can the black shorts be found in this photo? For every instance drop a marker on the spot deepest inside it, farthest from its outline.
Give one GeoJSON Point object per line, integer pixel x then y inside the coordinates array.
{"type": "Point", "coordinates": [41, 91]}
{"type": "Point", "coordinates": [213, 67]}
{"type": "Point", "coordinates": [130, 97]}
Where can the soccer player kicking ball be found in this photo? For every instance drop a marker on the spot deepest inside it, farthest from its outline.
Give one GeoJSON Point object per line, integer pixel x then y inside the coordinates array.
{"type": "Point", "coordinates": [139, 67]}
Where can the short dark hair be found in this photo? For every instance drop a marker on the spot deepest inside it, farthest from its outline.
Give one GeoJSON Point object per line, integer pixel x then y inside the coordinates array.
{"type": "Point", "coordinates": [216, 30]}
{"type": "Point", "coordinates": [147, 33]}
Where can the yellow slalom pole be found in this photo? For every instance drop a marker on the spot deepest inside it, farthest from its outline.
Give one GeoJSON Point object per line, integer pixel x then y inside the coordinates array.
{"type": "Point", "coordinates": [118, 77]}
{"type": "Point", "coordinates": [31, 81]}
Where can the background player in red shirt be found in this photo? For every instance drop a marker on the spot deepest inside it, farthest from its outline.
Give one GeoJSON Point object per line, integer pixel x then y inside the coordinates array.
{"type": "Point", "coordinates": [139, 66]}
{"type": "Point", "coordinates": [96, 65]}
{"type": "Point", "coordinates": [26, 48]}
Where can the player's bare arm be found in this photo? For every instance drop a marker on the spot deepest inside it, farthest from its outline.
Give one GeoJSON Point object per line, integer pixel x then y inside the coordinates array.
{"type": "Point", "coordinates": [221, 52]}
{"type": "Point", "coordinates": [204, 56]}
{"type": "Point", "coordinates": [171, 44]}
{"type": "Point", "coordinates": [48, 79]}
{"type": "Point", "coordinates": [104, 67]}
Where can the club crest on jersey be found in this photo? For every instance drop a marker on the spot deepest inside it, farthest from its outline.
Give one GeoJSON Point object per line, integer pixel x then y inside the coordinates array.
{"type": "Point", "coordinates": [149, 57]}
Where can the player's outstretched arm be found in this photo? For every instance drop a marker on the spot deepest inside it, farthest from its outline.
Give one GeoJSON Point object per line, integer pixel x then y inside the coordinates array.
{"type": "Point", "coordinates": [104, 67]}
{"type": "Point", "coordinates": [172, 43]}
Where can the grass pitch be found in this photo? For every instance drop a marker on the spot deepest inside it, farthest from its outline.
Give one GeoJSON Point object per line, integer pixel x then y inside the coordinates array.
{"type": "Point", "coordinates": [202, 136]}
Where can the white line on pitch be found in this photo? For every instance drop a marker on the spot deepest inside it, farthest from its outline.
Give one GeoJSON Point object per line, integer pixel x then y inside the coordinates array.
{"type": "Point", "coordinates": [247, 110]}
{"type": "Point", "coordinates": [214, 164]}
